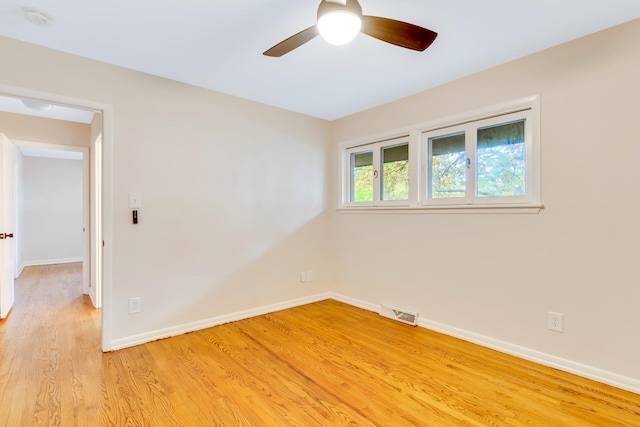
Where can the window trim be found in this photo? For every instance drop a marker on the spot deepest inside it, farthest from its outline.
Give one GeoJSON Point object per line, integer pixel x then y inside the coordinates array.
{"type": "Point", "coordinates": [377, 148]}
{"type": "Point", "coordinates": [348, 175]}
{"type": "Point", "coordinates": [529, 158]}
{"type": "Point", "coordinates": [426, 165]}
{"type": "Point", "coordinates": [470, 129]}
{"type": "Point", "coordinates": [418, 165]}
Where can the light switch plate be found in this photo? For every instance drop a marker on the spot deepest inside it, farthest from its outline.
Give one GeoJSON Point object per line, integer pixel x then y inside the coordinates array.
{"type": "Point", "coordinates": [135, 200]}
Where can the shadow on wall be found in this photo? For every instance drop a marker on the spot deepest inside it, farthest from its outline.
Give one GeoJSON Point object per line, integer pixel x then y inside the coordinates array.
{"type": "Point", "coordinates": [250, 202]}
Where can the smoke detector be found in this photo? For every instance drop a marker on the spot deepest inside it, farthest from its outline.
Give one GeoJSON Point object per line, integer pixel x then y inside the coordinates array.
{"type": "Point", "coordinates": [36, 16]}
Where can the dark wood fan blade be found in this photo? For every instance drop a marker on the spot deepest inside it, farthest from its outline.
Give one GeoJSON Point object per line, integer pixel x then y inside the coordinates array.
{"type": "Point", "coordinates": [292, 42]}
{"type": "Point", "coordinates": [398, 33]}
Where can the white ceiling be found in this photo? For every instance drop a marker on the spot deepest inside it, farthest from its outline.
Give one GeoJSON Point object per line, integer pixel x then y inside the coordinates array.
{"type": "Point", "coordinates": [57, 112]}
{"type": "Point", "coordinates": [218, 44]}
{"type": "Point", "coordinates": [50, 153]}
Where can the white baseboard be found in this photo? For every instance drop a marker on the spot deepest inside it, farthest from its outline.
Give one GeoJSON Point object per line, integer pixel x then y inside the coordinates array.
{"type": "Point", "coordinates": [46, 262]}
{"type": "Point", "coordinates": [566, 365]}
{"type": "Point", "coordinates": [606, 377]}
{"type": "Point", "coordinates": [355, 302]}
{"type": "Point", "coordinates": [586, 371]}
{"type": "Point", "coordinates": [133, 340]}
{"type": "Point", "coordinates": [49, 262]}
{"type": "Point", "coordinates": [19, 272]}
{"type": "Point", "coordinates": [92, 295]}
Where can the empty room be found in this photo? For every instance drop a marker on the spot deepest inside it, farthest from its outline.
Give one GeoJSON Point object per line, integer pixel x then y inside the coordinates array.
{"type": "Point", "coordinates": [435, 222]}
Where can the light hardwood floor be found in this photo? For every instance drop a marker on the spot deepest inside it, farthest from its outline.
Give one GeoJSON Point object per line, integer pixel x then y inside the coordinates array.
{"type": "Point", "coordinates": [323, 364]}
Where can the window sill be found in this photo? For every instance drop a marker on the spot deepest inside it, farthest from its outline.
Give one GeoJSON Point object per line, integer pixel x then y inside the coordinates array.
{"type": "Point", "coordinates": [461, 209]}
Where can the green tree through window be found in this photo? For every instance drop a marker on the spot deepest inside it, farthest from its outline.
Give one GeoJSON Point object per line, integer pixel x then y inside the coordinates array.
{"type": "Point", "coordinates": [501, 164]}
{"type": "Point", "coordinates": [395, 172]}
{"type": "Point", "coordinates": [362, 176]}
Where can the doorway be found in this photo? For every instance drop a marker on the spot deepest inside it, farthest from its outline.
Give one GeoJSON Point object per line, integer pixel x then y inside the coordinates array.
{"type": "Point", "coordinates": [97, 163]}
{"type": "Point", "coordinates": [52, 220]}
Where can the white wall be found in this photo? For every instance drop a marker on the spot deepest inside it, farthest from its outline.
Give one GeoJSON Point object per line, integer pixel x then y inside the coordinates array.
{"type": "Point", "coordinates": [42, 130]}
{"type": "Point", "coordinates": [497, 275]}
{"type": "Point", "coordinates": [52, 211]}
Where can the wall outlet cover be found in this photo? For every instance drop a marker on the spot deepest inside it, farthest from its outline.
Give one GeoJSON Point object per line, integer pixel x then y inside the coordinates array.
{"type": "Point", "coordinates": [555, 321]}
{"type": "Point", "coordinates": [135, 305]}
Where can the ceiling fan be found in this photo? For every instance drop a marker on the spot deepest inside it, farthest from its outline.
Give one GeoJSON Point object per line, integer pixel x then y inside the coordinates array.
{"type": "Point", "coordinates": [340, 21]}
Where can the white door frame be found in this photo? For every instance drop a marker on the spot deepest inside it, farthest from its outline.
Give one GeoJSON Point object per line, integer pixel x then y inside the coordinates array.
{"type": "Point", "coordinates": [96, 188]}
{"type": "Point", "coordinates": [103, 249]}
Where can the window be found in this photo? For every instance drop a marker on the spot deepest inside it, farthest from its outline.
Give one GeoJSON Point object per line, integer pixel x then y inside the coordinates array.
{"type": "Point", "coordinates": [447, 165]}
{"type": "Point", "coordinates": [394, 179]}
{"type": "Point", "coordinates": [362, 176]}
{"type": "Point", "coordinates": [481, 162]}
{"type": "Point", "coordinates": [487, 159]}
{"type": "Point", "coordinates": [501, 169]}
{"type": "Point", "coordinates": [379, 173]}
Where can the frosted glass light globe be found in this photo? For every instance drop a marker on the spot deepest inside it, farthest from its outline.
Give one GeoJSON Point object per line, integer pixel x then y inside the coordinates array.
{"type": "Point", "coordinates": [339, 27]}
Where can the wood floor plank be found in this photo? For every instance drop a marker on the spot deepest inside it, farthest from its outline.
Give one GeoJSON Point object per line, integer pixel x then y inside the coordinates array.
{"type": "Point", "coordinates": [322, 364]}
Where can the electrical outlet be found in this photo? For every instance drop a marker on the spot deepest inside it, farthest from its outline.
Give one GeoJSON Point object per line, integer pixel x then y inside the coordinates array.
{"type": "Point", "coordinates": [135, 305]}
{"type": "Point", "coordinates": [554, 321]}
{"type": "Point", "coordinates": [306, 276]}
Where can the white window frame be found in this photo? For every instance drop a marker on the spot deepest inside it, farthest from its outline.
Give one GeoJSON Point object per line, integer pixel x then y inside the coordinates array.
{"type": "Point", "coordinates": [417, 135]}
{"type": "Point", "coordinates": [347, 179]}
{"type": "Point", "coordinates": [376, 148]}
{"type": "Point", "coordinates": [471, 131]}
{"type": "Point", "coordinates": [426, 165]}
{"type": "Point", "coordinates": [528, 135]}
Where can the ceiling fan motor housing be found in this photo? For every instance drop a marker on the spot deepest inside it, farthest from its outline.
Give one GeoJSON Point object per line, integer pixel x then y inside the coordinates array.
{"type": "Point", "coordinates": [327, 6]}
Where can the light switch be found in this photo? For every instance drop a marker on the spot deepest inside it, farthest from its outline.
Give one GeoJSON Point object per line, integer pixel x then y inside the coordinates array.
{"type": "Point", "coordinates": [135, 200]}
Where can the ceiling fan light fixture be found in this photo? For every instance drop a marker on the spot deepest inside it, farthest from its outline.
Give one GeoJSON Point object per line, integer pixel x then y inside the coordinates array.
{"type": "Point", "coordinates": [340, 21]}
{"type": "Point", "coordinates": [339, 27]}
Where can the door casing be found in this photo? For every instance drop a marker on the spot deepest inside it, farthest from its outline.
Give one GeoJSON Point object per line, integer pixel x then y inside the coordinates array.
{"type": "Point", "coordinates": [104, 247]}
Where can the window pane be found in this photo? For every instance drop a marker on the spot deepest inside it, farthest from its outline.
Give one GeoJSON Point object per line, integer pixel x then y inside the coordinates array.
{"type": "Point", "coordinates": [395, 173]}
{"type": "Point", "coordinates": [501, 163]}
{"type": "Point", "coordinates": [447, 169]}
{"type": "Point", "coordinates": [361, 177]}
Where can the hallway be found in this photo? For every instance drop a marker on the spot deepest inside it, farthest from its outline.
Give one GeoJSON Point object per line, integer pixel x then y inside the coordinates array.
{"type": "Point", "coordinates": [40, 354]}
